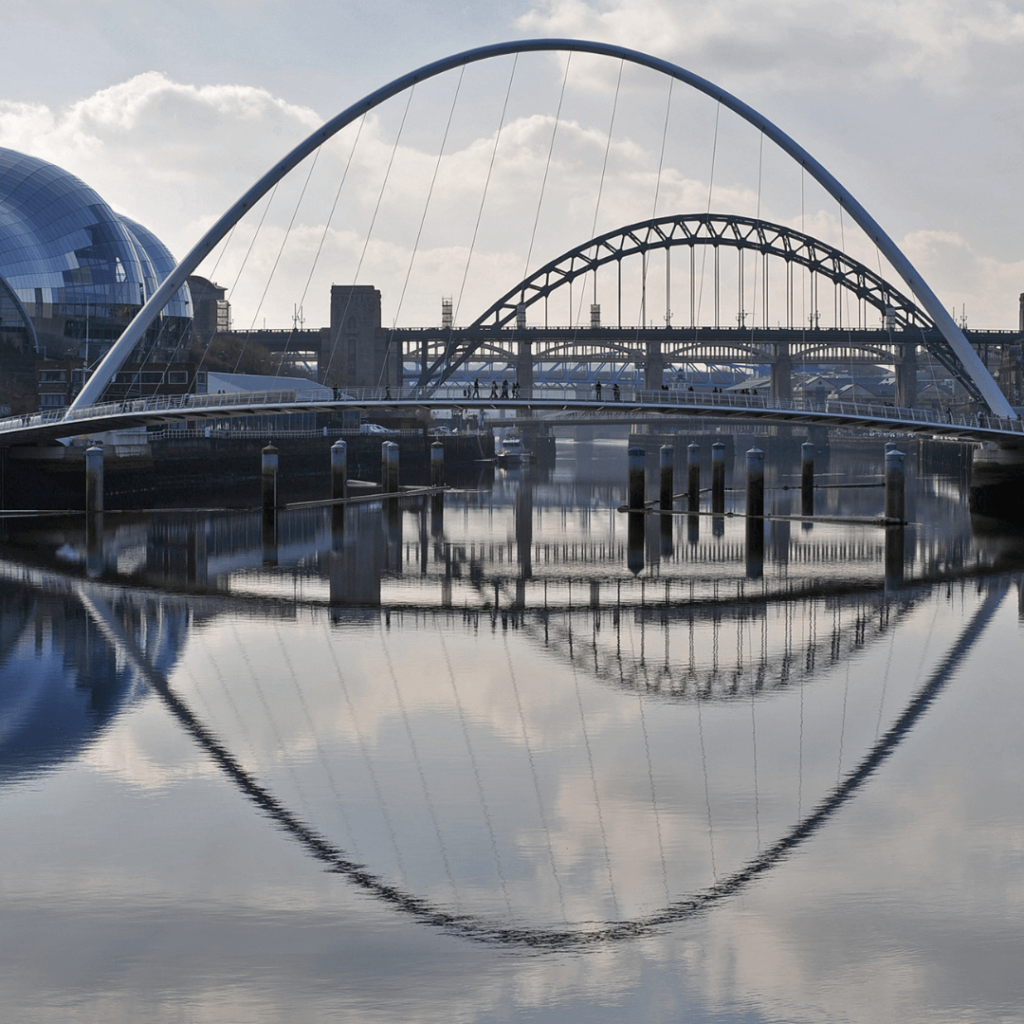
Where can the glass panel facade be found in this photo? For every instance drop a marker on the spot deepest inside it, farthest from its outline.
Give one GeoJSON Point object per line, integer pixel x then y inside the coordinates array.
{"type": "Point", "coordinates": [15, 323]}
{"type": "Point", "coordinates": [61, 239]}
{"type": "Point", "coordinates": [77, 269]}
{"type": "Point", "coordinates": [163, 263]}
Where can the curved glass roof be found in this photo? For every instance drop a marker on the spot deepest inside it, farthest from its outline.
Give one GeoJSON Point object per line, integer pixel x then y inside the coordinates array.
{"type": "Point", "coordinates": [162, 262]}
{"type": "Point", "coordinates": [63, 250]}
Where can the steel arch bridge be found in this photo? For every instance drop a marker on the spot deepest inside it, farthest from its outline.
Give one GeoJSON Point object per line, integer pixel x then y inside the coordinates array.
{"type": "Point", "coordinates": [904, 321]}
{"type": "Point", "coordinates": [973, 366]}
{"type": "Point", "coordinates": [716, 230]}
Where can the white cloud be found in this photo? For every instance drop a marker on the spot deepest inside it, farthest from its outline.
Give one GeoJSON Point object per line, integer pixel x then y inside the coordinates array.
{"type": "Point", "coordinates": [798, 44]}
{"type": "Point", "coordinates": [978, 286]}
{"type": "Point", "coordinates": [175, 156]}
{"type": "Point", "coordinates": [165, 153]}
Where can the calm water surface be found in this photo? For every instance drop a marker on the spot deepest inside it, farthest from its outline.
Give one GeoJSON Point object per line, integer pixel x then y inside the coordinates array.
{"type": "Point", "coordinates": [516, 758]}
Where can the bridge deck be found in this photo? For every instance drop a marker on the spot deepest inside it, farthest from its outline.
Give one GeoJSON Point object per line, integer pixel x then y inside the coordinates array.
{"type": "Point", "coordinates": [542, 404]}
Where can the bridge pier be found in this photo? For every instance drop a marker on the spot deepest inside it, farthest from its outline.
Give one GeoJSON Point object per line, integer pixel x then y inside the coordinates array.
{"type": "Point", "coordinates": [524, 367]}
{"type": "Point", "coordinates": [906, 378]}
{"type": "Point", "coordinates": [781, 385]}
{"type": "Point", "coordinates": [654, 367]}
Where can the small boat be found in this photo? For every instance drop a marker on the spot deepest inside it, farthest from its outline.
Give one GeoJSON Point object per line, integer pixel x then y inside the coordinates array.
{"type": "Point", "coordinates": [513, 453]}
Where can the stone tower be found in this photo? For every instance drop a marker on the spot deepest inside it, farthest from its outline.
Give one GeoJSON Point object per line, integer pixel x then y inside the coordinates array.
{"type": "Point", "coordinates": [355, 351]}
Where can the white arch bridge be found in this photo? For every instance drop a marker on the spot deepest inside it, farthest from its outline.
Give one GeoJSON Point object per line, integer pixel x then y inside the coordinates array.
{"type": "Point", "coordinates": [540, 406]}
{"type": "Point", "coordinates": [955, 348]}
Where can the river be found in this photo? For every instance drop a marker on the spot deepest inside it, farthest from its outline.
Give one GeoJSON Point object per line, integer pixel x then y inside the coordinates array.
{"type": "Point", "coordinates": [512, 756]}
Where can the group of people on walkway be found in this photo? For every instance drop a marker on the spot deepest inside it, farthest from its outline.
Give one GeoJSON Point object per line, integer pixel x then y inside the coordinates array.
{"type": "Point", "coordinates": [507, 390]}
{"type": "Point", "coordinates": [616, 393]}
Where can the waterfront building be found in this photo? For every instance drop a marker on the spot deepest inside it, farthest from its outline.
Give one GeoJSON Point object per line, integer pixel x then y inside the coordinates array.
{"type": "Point", "coordinates": [73, 273]}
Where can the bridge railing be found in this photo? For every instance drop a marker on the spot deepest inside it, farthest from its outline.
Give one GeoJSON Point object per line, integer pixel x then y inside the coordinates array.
{"type": "Point", "coordinates": [279, 401]}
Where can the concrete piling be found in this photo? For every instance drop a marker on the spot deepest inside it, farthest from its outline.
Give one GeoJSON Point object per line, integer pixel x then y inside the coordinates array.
{"type": "Point", "coordinates": [666, 468]}
{"type": "Point", "coordinates": [94, 479]}
{"type": "Point", "coordinates": [665, 533]}
{"type": "Point", "coordinates": [437, 464]}
{"type": "Point", "coordinates": [807, 479]}
{"type": "Point", "coordinates": [895, 481]}
{"type": "Point", "coordinates": [635, 539]}
{"type": "Point", "coordinates": [389, 467]}
{"type": "Point", "coordinates": [437, 480]}
{"type": "Point", "coordinates": [754, 547]}
{"type": "Point", "coordinates": [339, 470]}
{"type": "Point", "coordinates": [268, 536]}
{"type": "Point", "coordinates": [894, 548]}
{"type": "Point", "coordinates": [270, 467]}
{"type": "Point", "coordinates": [693, 478]}
{"type": "Point", "coordinates": [94, 545]}
{"type": "Point", "coordinates": [755, 483]}
{"type": "Point", "coordinates": [755, 514]}
{"type": "Point", "coordinates": [637, 492]}
{"type": "Point", "coordinates": [437, 516]}
{"type": "Point", "coordinates": [718, 478]}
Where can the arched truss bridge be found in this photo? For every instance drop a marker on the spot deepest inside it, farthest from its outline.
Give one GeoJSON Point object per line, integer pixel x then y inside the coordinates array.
{"type": "Point", "coordinates": [717, 230]}
{"type": "Point", "coordinates": [903, 320]}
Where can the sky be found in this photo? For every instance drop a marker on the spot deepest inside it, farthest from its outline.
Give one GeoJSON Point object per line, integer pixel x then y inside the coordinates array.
{"type": "Point", "coordinates": [170, 111]}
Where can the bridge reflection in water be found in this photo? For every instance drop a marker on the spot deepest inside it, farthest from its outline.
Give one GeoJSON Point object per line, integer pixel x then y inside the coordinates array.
{"type": "Point", "coordinates": [480, 713]}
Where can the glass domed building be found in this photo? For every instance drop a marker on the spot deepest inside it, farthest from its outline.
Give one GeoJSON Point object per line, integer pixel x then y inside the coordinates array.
{"type": "Point", "coordinates": [73, 273]}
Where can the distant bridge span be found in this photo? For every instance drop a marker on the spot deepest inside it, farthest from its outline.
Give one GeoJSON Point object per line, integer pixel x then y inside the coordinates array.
{"type": "Point", "coordinates": [897, 311]}
{"type": "Point", "coordinates": [972, 363]}
{"type": "Point", "coordinates": [541, 404]}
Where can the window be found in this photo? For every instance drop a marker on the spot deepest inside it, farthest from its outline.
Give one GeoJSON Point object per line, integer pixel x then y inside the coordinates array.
{"type": "Point", "coordinates": [177, 376]}
{"type": "Point", "coordinates": [50, 401]}
{"type": "Point", "coordinates": [52, 376]}
{"type": "Point", "coordinates": [152, 377]}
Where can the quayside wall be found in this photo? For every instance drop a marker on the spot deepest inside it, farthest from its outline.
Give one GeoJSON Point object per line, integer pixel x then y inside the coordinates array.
{"type": "Point", "coordinates": [224, 472]}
